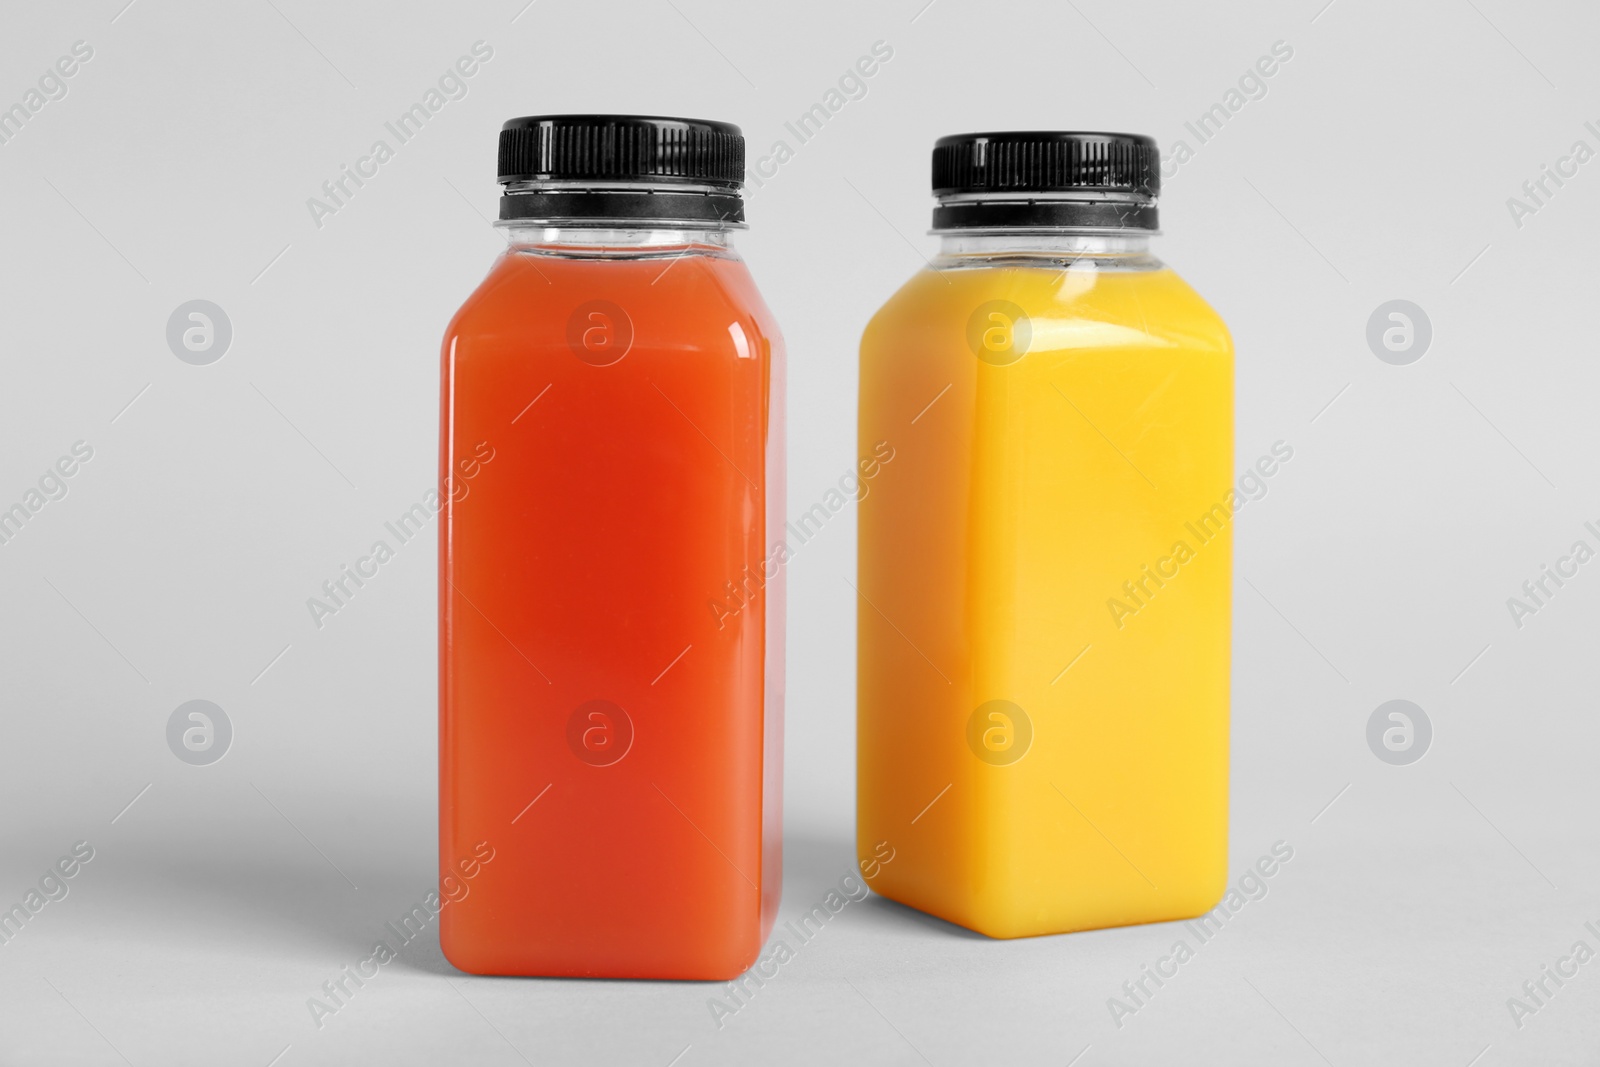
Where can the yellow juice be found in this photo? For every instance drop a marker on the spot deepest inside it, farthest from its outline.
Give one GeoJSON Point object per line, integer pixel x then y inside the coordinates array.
{"type": "Point", "coordinates": [1044, 595]}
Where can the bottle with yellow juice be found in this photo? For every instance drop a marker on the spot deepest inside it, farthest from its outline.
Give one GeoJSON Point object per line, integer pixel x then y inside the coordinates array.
{"type": "Point", "coordinates": [1045, 574]}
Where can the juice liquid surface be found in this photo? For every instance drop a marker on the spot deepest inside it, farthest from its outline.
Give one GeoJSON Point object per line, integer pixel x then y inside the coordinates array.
{"type": "Point", "coordinates": [1045, 457]}
{"type": "Point", "coordinates": [610, 724]}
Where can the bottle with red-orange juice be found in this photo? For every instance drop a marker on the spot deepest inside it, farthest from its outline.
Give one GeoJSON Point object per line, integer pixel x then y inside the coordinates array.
{"type": "Point", "coordinates": [610, 624]}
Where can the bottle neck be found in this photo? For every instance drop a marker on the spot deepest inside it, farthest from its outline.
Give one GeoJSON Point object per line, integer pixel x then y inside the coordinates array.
{"type": "Point", "coordinates": [1107, 250]}
{"type": "Point", "coordinates": [601, 242]}
{"type": "Point", "coordinates": [638, 204]}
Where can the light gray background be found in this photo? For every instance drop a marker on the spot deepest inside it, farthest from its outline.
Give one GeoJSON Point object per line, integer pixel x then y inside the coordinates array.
{"type": "Point", "coordinates": [1420, 497]}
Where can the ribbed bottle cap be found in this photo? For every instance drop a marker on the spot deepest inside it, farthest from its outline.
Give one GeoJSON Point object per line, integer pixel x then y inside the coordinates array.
{"type": "Point", "coordinates": [1092, 180]}
{"type": "Point", "coordinates": [676, 170]}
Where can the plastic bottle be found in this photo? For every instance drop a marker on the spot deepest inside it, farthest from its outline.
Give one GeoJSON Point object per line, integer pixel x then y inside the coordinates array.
{"type": "Point", "coordinates": [1045, 571]}
{"type": "Point", "coordinates": [610, 631]}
